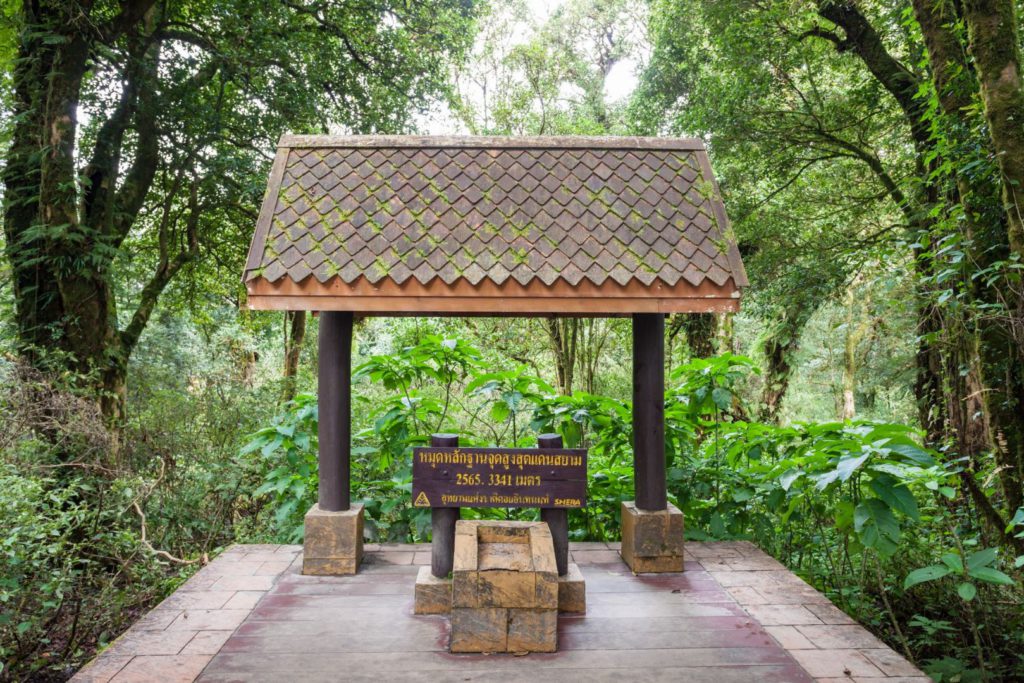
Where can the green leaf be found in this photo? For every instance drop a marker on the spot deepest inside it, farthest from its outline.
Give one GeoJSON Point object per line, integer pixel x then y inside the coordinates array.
{"type": "Point", "coordinates": [913, 453]}
{"type": "Point", "coordinates": [990, 575]}
{"type": "Point", "coordinates": [931, 573]}
{"type": "Point", "coordinates": [877, 526]}
{"type": "Point", "coordinates": [967, 591]}
{"type": "Point", "coordinates": [742, 495]}
{"type": "Point", "coordinates": [896, 495]}
{"type": "Point", "coordinates": [722, 398]}
{"type": "Point", "coordinates": [982, 558]}
{"type": "Point", "coordinates": [844, 515]}
{"type": "Point", "coordinates": [847, 466]}
{"type": "Point", "coordinates": [1018, 518]}
{"type": "Point", "coordinates": [500, 411]}
{"type": "Point", "coordinates": [952, 560]}
{"type": "Point", "coordinates": [788, 477]}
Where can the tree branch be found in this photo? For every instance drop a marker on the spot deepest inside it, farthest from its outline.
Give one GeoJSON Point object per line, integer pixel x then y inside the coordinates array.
{"type": "Point", "coordinates": [165, 272]}
{"type": "Point", "coordinates": [863, 40]}
{"type": "Point", "coordinates": [132, 195]}
{"type": "Point", "coordinates": [131, 13]}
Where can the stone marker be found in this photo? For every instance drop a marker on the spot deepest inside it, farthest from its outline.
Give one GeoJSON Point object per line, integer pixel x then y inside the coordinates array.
{"type": "Point", "coordinates": [504, 588]}
{"type": "Point", "coordinates": [652, 541]}
{"type": "Point", "coordinates": [334, 541]}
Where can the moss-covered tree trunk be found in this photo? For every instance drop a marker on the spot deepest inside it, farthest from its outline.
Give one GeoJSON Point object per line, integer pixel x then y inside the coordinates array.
{"type": "Point", "coordinates": [62, 230]}
{"type": "Point", "coordinates": [984, 353]}
{"type": "Point", "coordinates": [995, 46]}
{"type": "Point", "coordinates": [295, 334]}
{"type": "Point", "coordinates": [858, 327]}
{"type": "Point", "coordinates": [563, 336]}
{"type": "Point", "coordinates": [779, 344]}
{"type": "Point", "coordinates": [701, 333]}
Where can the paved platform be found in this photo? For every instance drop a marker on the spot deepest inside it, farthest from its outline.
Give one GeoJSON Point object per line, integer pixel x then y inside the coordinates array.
{"type": "Point", "coordinates": [735, 614]}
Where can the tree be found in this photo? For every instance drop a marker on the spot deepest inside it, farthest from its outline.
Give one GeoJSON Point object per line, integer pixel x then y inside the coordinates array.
{"type": "Point", "coordinates": [863, 110]}
{"type": "Point", "coordinates": [181, 108]}
{"type": "Point", "coordinates": [993, 26]}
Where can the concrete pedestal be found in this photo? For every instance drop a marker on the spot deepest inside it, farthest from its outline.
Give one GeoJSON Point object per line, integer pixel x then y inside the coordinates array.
{"type": "Point", "coordinates": [334, 541]}
{"type": "Point", "coordinates": [504, 588]}
{"type": "Point", "coordinates": [433, 595]}
{"type": "Point", "coordinates": [572, 590]}
{"type": "Point", "coordinates": [652, 541]}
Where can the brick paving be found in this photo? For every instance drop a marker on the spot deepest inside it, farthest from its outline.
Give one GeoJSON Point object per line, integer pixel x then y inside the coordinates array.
{"type": "Point", "coordinates": [735, 614]}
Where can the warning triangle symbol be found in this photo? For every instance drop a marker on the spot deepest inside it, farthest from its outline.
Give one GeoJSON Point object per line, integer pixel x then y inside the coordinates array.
{"type": "Point", "coordinates": [422, 501]}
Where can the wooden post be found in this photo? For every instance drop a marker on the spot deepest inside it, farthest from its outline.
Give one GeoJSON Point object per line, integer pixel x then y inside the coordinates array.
{"type": "Point", "coordinates": [442, 523]}
{"type": "Point", "coordinates": [335, 409]}
{"type": "Point", "coordinates": [557, 518]}
{"type": "Point", "coordinates": [649, 411]}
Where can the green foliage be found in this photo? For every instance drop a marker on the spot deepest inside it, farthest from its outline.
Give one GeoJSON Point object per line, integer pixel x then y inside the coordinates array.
{"type": "Point", "coordinates": [288, 446]}
{"type": "Point", "coordinates": [978, 566]}
{"type": "Point", "coordinates": [73, 571]}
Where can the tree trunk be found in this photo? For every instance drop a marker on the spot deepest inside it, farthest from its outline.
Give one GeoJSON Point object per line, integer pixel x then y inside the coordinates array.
{"type": "Point", "coordinates": [563, 335]}
{"type": "Point", "coordinates": [701, 330]}
{"type": "Point", "coordinates": [777, 370]}
{"type": "Point", "coordinates": [995, 46]}
{"type": "Point", "coordinates": [59, 301]}
{"type": "Point", "coordinates": [295, 333]}
{"type": "Point", "coordinates": [984, 346]}
{"type": "Point", "coordinates": [854, 333]}
{"type": "Point", "coordinates": [593, 336]}
{"type": "Point", "coordinates": [778, 345]}
{"type": "Point", "coordinates": [726, 333]}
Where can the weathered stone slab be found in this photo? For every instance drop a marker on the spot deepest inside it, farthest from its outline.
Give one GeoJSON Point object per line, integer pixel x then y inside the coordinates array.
{"type": "Point", "coordinates": [333, 543]}
{"type": "Point", "coordinates": [652, 541]}
{"type": "Point", "coordinates": [532, 630]}
{"type": "Point", "coordinates": [479, 629]}
{"type": "Point", "coordinates": [433, 595]}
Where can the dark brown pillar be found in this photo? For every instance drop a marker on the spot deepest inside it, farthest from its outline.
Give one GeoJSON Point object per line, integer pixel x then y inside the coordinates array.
{"type": "Point", "coordinates": [649, 411]}
{"type": "Point", "coordinates": [442, 523]}
{"type": "Point", "coordinates": [557, 518]}
{"type": "Point", "coordinates": [335, 409]}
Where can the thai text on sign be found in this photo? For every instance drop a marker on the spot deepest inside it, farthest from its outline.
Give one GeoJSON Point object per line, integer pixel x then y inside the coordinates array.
{"type": "Point", "coordinates": [499, 477]}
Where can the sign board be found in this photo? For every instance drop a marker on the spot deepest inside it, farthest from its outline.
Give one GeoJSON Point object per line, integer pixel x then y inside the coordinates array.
{"type": "Point", "coordinates": [452, 476]}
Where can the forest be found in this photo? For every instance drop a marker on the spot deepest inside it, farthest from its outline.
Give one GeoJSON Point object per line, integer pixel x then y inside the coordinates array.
{"type": "Point", "coordinates": [861, 419]}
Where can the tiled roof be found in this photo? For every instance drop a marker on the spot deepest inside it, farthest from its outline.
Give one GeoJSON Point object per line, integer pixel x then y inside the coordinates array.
{"type": "Point", "coordinates": [547, 209]}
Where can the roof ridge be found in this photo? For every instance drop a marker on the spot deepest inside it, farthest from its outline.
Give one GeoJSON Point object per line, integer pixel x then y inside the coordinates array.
{"type": "Point", "coordinates": [495, 142]}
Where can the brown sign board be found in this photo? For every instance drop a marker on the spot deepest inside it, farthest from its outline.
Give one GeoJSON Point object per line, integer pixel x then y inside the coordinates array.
{"type": "Point", "coordinates": [449, 477]}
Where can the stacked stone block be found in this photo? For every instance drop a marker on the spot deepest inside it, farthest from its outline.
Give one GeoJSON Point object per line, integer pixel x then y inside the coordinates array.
{"type": "Point", "coordinates": [504, 588]}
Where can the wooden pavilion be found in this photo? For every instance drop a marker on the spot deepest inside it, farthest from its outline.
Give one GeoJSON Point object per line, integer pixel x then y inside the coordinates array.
{"type": "Point", "coordinates": [552, 226]}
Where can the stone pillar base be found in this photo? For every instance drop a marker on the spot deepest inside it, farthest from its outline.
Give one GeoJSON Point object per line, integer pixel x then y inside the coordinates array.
{"type": "Point", "coordinates": [433, 595]}
{"type": "Point", "coordinates": [572, 590]}
{"type": "Point", "coordinates": [334, 541]}
{"type": "Point", "coordinates": [652, 541]}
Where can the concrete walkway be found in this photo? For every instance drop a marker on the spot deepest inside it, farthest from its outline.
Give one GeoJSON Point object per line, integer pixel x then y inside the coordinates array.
{"type": "Point", "coordinates": [735, 614]}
